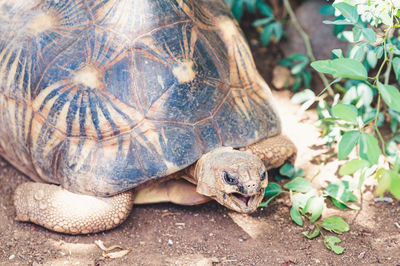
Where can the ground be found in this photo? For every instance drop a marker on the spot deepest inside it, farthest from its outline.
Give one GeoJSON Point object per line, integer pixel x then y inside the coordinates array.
{"type": "Point", "coordinates": [209, 234]}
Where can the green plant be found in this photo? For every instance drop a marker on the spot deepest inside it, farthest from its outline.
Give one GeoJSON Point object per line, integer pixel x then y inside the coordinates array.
{"type": "Point", "coordinates": [368, 98]}
{"type": "Point", "coordinates": [268, 25]}
{"type": "Point", "coordinates": [308, 204]}
{"type": "Point", "coordinates": [298, 63]}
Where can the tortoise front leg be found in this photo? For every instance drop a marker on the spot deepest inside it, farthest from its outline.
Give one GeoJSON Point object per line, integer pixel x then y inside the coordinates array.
{"type": "Point", "coordinates": [62, 211]}
{"type": "Point", "coordinates": [274, 151]}
{"type": "Point", "coordinates": [178, 191]}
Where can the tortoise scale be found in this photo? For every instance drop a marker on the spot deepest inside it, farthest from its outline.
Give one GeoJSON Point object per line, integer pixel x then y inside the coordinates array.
{"type": "Point", "coordinates": [102, 97]}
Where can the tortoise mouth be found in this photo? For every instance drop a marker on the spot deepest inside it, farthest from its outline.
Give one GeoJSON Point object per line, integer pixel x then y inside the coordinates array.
{"type": "Point", "coordinates": [246, 203]}
{"type": "Point", "coordinates": [243, 198]}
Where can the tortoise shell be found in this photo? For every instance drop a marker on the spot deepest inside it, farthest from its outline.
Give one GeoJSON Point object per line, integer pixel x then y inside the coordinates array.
{"type": "Point", "coordinates": [102, 96]}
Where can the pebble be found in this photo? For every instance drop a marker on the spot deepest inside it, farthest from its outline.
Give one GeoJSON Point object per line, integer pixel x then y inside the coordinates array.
{"type": "Point", "coordinates": [241, 240]}
{"type": "Point", "coordinates": [11, 257]}
{"type": "Point", "coordinates": [170, 242]}
{"type": "Point", "coordinates": [361, 255]}
{"type": "Point", "coordinates": [384, 199]}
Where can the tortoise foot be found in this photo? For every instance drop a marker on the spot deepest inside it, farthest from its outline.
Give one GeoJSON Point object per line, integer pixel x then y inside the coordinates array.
{"type": "Point", "coordinates": [274, 151]}
{"type": "Point", "coordinates": [62, 211]}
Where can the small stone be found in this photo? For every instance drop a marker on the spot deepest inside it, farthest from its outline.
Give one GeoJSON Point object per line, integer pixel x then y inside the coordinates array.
{"type": "Point", "coordinates": [254, 42]}
{"type": "Point", "coordinates": [281, 77]}
{"type": "Point", "coordinates": [241, 240]}
{"type": "Point", "coordinates": [11, 257]}
{"type": "Point", "coordinates": [361, 255]}
{"type": "Point", "coordinates": [170, 242]}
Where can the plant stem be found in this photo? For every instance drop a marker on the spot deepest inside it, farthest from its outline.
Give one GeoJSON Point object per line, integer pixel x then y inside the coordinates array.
{"type": "Point", "coordinates": [388, 61]}
{"type": "Point", "coordinates": [382, 141]}
{"type": "Point", "coordinates": [307, 44]}
{"type": "Point", "coordinates": [388, 69]}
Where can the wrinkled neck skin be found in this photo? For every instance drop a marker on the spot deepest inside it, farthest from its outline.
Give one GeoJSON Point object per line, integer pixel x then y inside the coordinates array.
{"type": "Point", "coordinates": [236, 179]}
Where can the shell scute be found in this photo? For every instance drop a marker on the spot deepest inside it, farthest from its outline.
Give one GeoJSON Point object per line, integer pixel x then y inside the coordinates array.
{"type": "Point", "coordinates": [102, 96]}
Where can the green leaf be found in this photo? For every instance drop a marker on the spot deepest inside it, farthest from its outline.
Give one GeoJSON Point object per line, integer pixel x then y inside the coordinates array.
{"type": "Point", "coordinates": [327, 10]}
{"type": "Point", "coordinates": [379, 51]}
{"type": "Point", "coordinates": [265, 9]}
{"type": "Point", "coordinates": [340, 194]}
{"type": "Point", "coordinates": [335, 224]}
{"type": "Point", "coordinates": [287, 170]}
{"type": "Point", "coordinates": [391, 146]}
{"type": "Point", "coordinates": [296, 216]}
{"type": "Point", "coordinates": [300, 200]}
{"type": "Point", "coordinates": [395, 184]}
{"type": "Point", "coordinates": [369, 35]}
{"type": "Point", "coordinates": [347, 143]}
{"type": "Point", "coordinates": [345, 112]}
{"type": "Point", "coordinates": [313, 234]}
{"type": "Point", "coordinates": [272, 189]}
{"type": "Point", "coordinates": [262, 22]}
{"type": "Point", "coordinates": [357, 52]}
{"type": "Point", "coordinates": [394, 124]}
{"type": "Point", "coordinates": [337, 22]}
{"type": "Point", "coordinates": [266, 34]}
{"type": "Point", "coordinates": [352, 166]}
{"type": "Point", "coordinates": [338, 203]}
{"type": "Point", "coordinates": [390, 95]}
{"type": "Point", "coordinates": [396, 67]}
{"type": "Point", "coordinates": [299, 184]}
{"type": "Point", "coordinates": [299, 57]}
{"type": "Point", "coordinates": [315, 206]}
{"type": "Point", "coordinates": [350, 68]}
{"type": "Point", "coordinates": [369, 148]}
{"type": "Point", "coordinates": [356, 33]}
{"type": "Point", "coordinates": [348, 11]}
{"type": "Point", "coordinates": [278, 32]}
{"type": "Point", "coordinates": [324, 66]}
{"type": "Point", "coordinates": [300, 172]}
{"type": "Point", "coordinates": [338, 53]}
{"type": "Point", "coordinates": [251, 4]}
{"type": "Point", "coordinates": [330, 242]}
{"type": "Point", "coordinates": [299, 68]}
{"type": "Point", "coordinates": [237, 9]}
{"type": "Point", "coordinates": [342, 67]}
{"type": "Point", "coordinates": [383, 177]}
{"type": "Point", "coordinates": [303, 96]}
{"type": "Point", "coordinates": [372, 59]}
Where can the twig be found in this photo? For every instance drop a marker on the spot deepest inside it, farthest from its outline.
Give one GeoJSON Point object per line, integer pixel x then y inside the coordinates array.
{"type": "Point", "coordinates": [307, 44]}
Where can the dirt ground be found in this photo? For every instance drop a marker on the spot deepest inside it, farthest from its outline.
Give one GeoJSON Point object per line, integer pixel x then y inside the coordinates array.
{"type": "Point", "coordinates": [209, 234]}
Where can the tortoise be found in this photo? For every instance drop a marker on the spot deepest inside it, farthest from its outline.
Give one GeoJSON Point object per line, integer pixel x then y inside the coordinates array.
{"type": "Point", "coordinates": [106, 104]}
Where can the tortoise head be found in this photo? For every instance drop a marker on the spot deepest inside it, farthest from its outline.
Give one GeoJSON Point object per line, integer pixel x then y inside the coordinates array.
{"type": "Point", "coordinates": [236, 179]}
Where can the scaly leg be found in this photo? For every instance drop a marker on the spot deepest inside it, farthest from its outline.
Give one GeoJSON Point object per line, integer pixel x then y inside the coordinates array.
{"type": "Point", "coordinates": [178, 191]}
{"type": "Point", "coordinates": [62, 211]}
{"type": "Point", "coordinates": [274, 151]}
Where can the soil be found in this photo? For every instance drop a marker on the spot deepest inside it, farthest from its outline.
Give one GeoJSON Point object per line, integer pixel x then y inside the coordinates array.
{"type": "Point", "coordinates": [209, 234]}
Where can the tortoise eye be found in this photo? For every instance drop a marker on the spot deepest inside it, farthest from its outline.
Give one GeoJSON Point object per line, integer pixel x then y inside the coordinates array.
{"type": "Point", "coordinates": [263, 175]}
{"type": "Point", "coordinates": [229, 179]}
